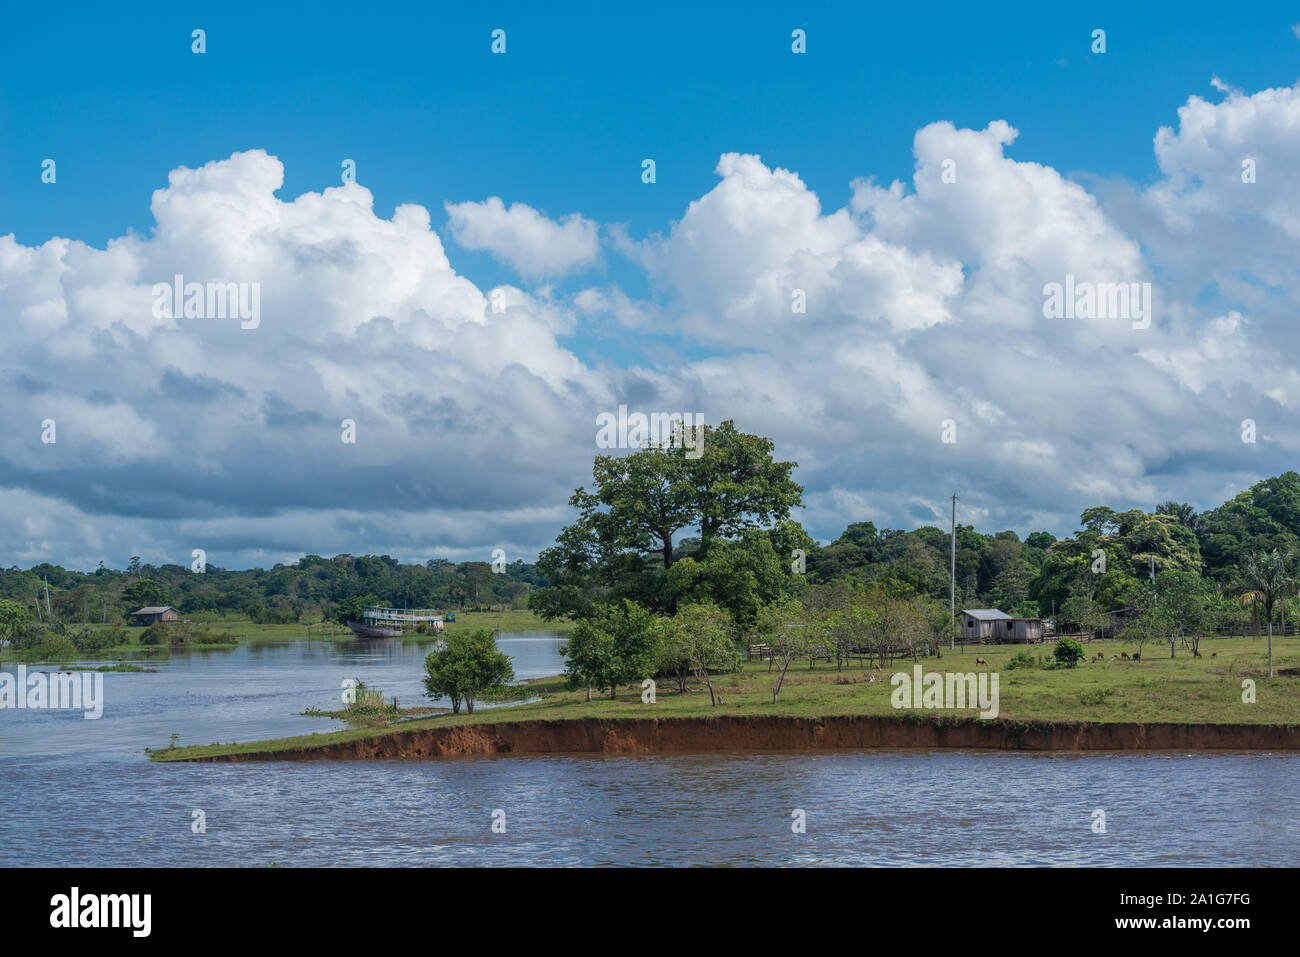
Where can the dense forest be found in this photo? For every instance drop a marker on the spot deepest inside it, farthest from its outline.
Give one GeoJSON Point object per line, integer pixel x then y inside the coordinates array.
{"type": "Point", "coordinates": [741, 558]}
{"type": "Point", "coordinates": [312, 587]}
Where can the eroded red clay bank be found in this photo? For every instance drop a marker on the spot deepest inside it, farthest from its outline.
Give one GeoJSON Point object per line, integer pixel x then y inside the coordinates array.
{"type": "Point", "coordinates": [736, 733]}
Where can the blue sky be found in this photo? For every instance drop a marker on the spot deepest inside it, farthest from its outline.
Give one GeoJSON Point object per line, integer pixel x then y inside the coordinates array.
{"type": "Point", "coordinates": [584, 94]}
{"type": "Point", "coordinates": [562, 122]}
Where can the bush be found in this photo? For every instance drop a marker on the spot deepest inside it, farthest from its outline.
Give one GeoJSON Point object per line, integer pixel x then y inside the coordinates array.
{"type": "Point", "coordinates": [156, 634]}
{"type": "Point", "coordinates": [1022, 659]}
{"type": "Point", "coordinates": [33, 636]}
{"type": "Point", "coordinates": [1067, 652]}
{"type": "Point", "coordinates": [55, 646]}
{"type": "Point", "coordinates": [90, 639]}
{"type": "Point", "coordinates": [260, 615]}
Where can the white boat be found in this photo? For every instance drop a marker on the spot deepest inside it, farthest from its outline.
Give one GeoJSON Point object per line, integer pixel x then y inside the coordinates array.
{"type": "Point", "coordinates": [379, 622]}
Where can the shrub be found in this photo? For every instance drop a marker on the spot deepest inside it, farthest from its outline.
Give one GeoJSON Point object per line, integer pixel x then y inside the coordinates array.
{"type": "Point", "coordinates": [156, 634]}
{"type": "Point", "coordinates": [1067, 652]}
{"type": "Point", "coordinates": [259, 614]}
{"type": "Point", "coordinates": [89, 639]}
{"type": "Point", "coordinates": [1022, 659]}
{"type": "Point", "coordinates": [32, 636]}
{"type": "Point", "coordinates": [56, 646]}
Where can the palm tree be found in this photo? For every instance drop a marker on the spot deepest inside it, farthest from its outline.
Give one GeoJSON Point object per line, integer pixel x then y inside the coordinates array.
{"type": "Point", "coordinates": [1181, 511]}
{"type": "Point", "coordinates": [1267, 577]}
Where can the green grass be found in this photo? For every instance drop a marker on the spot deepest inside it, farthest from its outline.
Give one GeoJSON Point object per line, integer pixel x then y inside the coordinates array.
{"type": "Point", "coordinates": [1157, 689]}
{"type": "Point", "coordinates": [503, 621]}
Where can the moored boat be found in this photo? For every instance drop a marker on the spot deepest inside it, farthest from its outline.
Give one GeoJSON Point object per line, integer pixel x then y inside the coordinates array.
{"type": "Point", "coordinates": [379, 622]}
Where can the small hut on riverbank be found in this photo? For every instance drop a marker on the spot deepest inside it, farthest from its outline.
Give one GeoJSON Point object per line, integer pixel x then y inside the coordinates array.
{"type": "Point", "coordinates": [151, 613]}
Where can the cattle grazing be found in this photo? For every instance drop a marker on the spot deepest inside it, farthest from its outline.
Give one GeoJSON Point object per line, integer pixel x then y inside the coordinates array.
{"type": "Point", "coordinates": [981, 661]}
{"type": "Point", "coordinates": [1124, 655]}
{"type": "Point", "coordinates": [1136, 656]}
{"type": "Point", "coordinates": [1214, 654]}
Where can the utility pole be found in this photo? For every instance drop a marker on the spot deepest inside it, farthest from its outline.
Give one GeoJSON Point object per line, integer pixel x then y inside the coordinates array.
{"type": "Point", "coordinates": [952, 584]}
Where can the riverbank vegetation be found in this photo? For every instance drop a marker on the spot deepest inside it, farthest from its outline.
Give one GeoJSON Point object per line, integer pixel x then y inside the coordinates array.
{"type": "Point", "coordinates": [208, 631]}
{"type": "Point", "coordinates": [1183, 690]}
{"type": "Point", "coordinates": [465, 667]}
{"type": "Point", "coordinates": [313, 588]}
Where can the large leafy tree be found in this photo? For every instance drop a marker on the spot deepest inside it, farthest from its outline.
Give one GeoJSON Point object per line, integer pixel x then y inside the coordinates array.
{"type": "Point", "coordinates": [736, 484]}
{"type": "Point", "coordinates": [144, 593]}
{"type": "Point", "coordinates": [626, 537]}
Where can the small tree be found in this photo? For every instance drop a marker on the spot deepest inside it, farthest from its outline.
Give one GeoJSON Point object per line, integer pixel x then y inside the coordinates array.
{"type": "Point", "coordinates": [1151, 623]}
{"type": "Point", "coordinates": [1067, 652]}
{"type": "Point", "coordinates": [702, 635]}
{"type": "Point", "coordinates": [612, 647]}
{"type": "Point", "coordinates": [1267, 577]}
{"type": "Point", "coordinates": [466, 666]}
{"type": "Point", "coordinates": [786, 630]}
{"type": "Point", "coordinates": [1183, 597]}
{"type": "Point", "coordinates": [1082, 611]}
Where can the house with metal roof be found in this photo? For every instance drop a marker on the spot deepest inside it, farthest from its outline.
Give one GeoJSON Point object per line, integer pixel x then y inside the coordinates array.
{"type": "Point", "coordinates": [989, 625]}
{"type": "Point", "coordinates": [151, 613]}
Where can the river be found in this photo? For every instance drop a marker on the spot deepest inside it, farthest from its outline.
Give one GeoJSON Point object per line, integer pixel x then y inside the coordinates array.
{"type": "Point", "coordinates": [78, 792]}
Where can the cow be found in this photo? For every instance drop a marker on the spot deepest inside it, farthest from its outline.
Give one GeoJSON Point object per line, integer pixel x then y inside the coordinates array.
{"type": "Point", "coordinates": [1124, 655]}
{"type": "Point", "coordinates": [1137, 656]}
{"type": "Point", "coordinates": [981, 661]}
{"type": "Point", "coordinates": [1214, 654]}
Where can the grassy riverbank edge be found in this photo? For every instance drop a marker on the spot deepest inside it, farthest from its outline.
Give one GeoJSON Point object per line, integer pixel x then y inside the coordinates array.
{"type": "Point", "coordinates": [902, 731]}
{"type": "Point", "coordinates": [1208, 693]}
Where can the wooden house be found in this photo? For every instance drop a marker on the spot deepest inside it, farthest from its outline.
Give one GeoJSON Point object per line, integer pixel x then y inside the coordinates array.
{"type": "Point", "coordinates": [151, 613]}
{"type": "Point", "coordinates": [983, 624]}
{"type": "Point", "coordinates": [991, 626]}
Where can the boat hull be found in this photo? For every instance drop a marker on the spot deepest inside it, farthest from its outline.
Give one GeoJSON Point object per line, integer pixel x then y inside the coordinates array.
{"type": "Point", "coordinates": [362, 630]}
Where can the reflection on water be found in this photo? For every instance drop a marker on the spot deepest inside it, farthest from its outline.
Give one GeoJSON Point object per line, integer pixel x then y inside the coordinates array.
{"type": "Point", "coordinates": [81, 792]}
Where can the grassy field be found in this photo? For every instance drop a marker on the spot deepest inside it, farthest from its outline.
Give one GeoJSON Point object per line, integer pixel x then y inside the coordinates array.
{"type": "Point", "coordinates": [1184, 689]}
{"type": "Point", "coordinates": [504, 621]}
